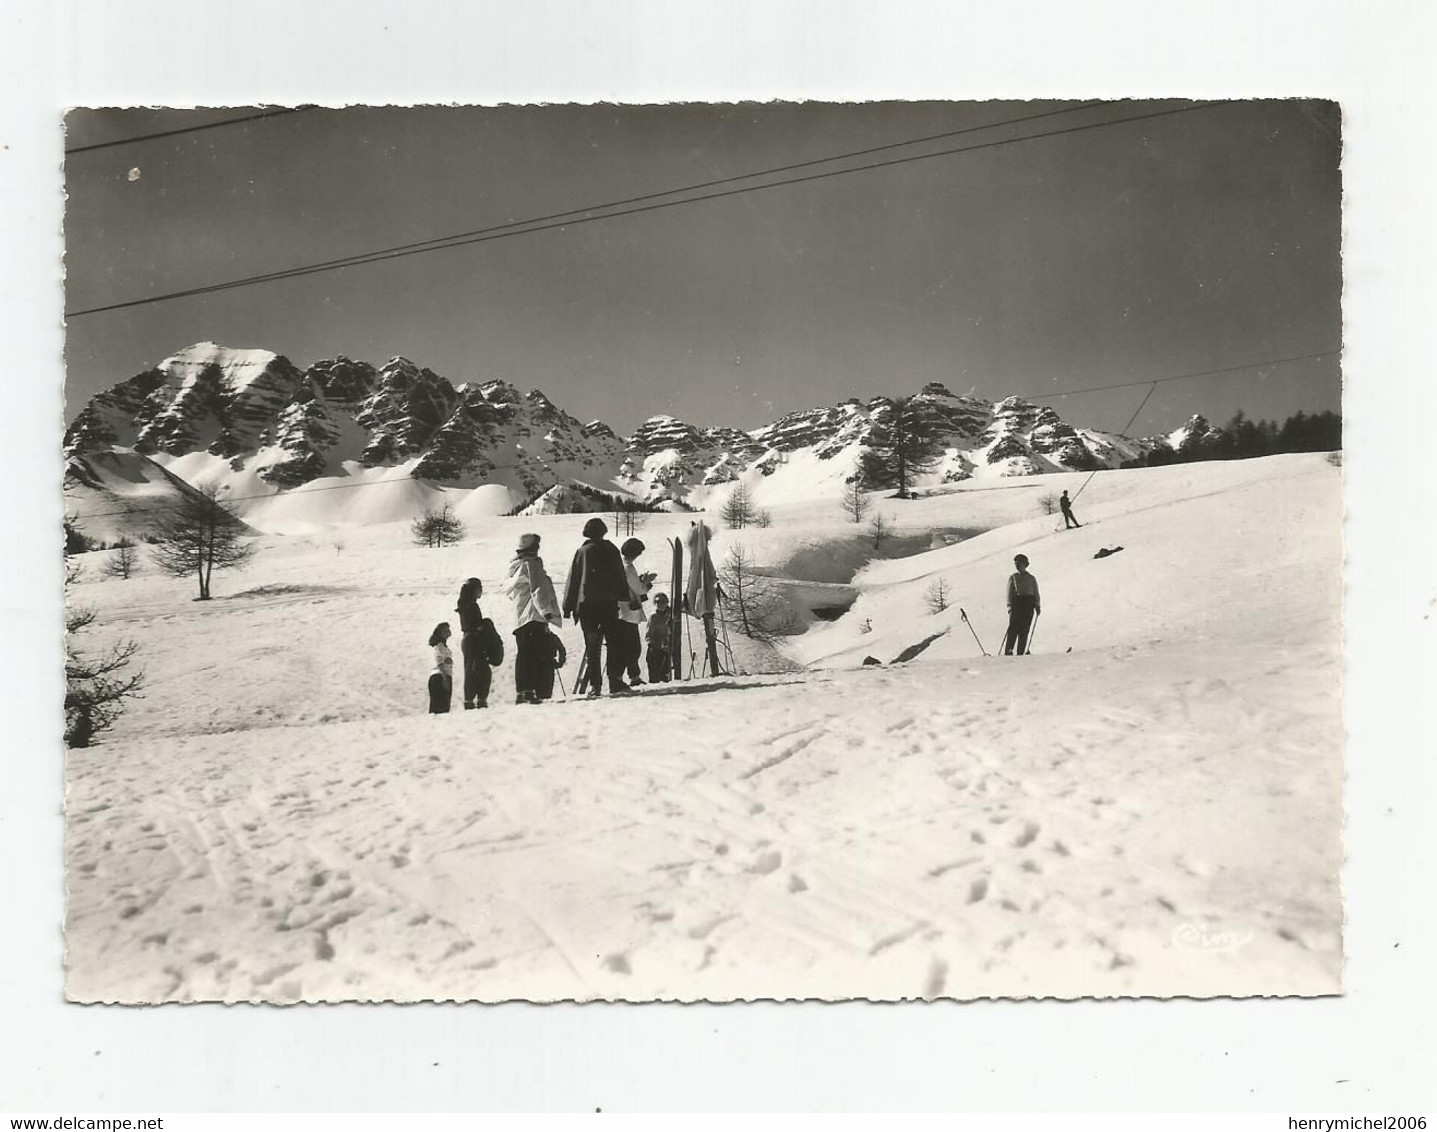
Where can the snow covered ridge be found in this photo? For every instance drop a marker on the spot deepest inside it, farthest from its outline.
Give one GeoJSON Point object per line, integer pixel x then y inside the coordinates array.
{"type": "Point", "coordinates": [253, 420]}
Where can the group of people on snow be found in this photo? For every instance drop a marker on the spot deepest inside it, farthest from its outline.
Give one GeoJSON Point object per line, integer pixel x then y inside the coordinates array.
{"type": "Point", "coordinates": [605, 594]}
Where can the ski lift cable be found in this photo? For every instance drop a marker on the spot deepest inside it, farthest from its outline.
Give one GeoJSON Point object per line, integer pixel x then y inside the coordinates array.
{"type": "Point", "coordinates": [1181, 376]}
{"type": "Point", "coordinates": [436, 242]}
{"type": "Point", "coordinates": [275, 113]}
{"type": "Point", "coordinates": [1151, 390]}
{"type": "Point", "coordinates": [1154, 382]}
{"type": "Point", "coordinates": [523, 228]}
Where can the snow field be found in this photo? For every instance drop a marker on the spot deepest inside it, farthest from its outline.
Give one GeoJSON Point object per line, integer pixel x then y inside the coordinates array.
{"type": "Point", "coordinates": [1158, 812]}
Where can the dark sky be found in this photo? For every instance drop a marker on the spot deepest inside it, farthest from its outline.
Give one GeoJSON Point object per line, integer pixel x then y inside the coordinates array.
{"type": "Point", "coordinates": [1200, 240]}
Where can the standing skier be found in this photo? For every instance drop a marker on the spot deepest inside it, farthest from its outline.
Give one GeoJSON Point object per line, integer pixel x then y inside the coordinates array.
{"type": "Point", "coordinates": [660, 638]}
{"type": "Point", "coordinates": [631, 612]}
{"type": "Point", "coordinates": [597, 583]}
{"type": "Point", "coordinates": [1067, 505]}
{"type": "Point", "coordinates": [535, 608]}
{"type": "Point", "coordinates": [1024, 602]}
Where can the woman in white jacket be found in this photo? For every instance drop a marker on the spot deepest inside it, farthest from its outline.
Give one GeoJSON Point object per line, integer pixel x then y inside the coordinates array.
{"type": "Point", "coordinates": [536, 607]}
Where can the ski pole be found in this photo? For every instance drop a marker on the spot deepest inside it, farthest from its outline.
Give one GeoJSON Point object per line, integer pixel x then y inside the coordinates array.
{"type": "Point", "coordinates": [559, 672]}
{"type": "Point", "coordinates": [964, 613]}
{"type": "Point", "coordinates": [1032, 635]}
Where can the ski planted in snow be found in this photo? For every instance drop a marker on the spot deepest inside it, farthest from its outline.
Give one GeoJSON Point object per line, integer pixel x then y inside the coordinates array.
{"type": "Point", "coordinates": [676, 611]}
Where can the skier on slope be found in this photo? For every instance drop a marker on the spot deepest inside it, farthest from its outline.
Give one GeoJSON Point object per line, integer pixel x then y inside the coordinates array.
{"type": "Point", "coordinates": [1024, 602]}
{"type": "Point", "coordinates": [1066, 504]}
{"type": "Point", "coordinates": [631, 612]}
{"type": "Point", "coordinates": [535, 608]}
{"type": "Point", "coordinates": [597, 583]}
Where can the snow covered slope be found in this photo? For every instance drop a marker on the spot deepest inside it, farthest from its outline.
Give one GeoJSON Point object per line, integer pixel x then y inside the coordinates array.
{"type": "Point", "coordinates": [119, 491]}
{"type": "Point", "coordinates": [1157, 811]}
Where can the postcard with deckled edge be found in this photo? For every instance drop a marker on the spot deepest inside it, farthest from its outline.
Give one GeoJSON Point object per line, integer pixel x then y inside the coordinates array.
{"type": "Point", "coordinates": [704, 552]}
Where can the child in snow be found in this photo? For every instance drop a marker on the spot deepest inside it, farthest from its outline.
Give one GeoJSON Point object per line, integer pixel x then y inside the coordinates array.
{"type": "Point", "coordinates": [553, 657]}
{"type": "Point", "coordinates": [660, 640]}
{"type": "Point", "coordinates": [631, 612]}
{"type": "Point", "coordinates": [441, 680]}
{"type": "Point", "coordinates": [536, 607]}
{"type": "Point", "coordinates": [479, 644]}
{"type": "Point", "coordinates": [1024, 603]}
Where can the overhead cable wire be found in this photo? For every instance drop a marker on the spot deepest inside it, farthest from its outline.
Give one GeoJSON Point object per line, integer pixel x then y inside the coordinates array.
{"type": "Point", "coordinates": [1180, 376]}
{"type": "Point", "coordinates": [1122, 432]}
{"type": "Point", "coordinates": [440, 241]}
{"type": "Point", "coordinates": [524, 228]}
{"type": "Point", "coordinates": [184, 130]}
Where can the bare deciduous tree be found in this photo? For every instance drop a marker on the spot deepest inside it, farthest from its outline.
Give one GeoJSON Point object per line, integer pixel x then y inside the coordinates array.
{"type": "Point", "coordinates": [856, 503]}
{"type": "Point", "coordinates": [1048, 503]}
{"type": "Point", "coordinates": [752, 604]}
{"type": "Point", "coordinates": [437, 528]}
{"type": "Point", "coordinates": [199, 536]}
{"type": "Point", "coordinates": [124, 559]}
{"type": "Point", "coordinates": [738, 508]}
{"type": "Point", "coordinates": [629, 516]}
{"type": "Point", "coordinates": [880, 527]}
{"type": "Point", "coordinates": [937, 596]}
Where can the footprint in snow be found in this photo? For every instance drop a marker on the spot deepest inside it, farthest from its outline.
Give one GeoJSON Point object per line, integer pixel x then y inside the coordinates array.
{"type": "Point", "coordinates": [1028, 836]}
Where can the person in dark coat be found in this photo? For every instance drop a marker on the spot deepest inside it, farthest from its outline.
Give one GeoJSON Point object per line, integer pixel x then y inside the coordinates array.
{"type": "Point", "coordinates": [1024, 603]}
{"type": "Point", "coordinates": [597, 583]}
{"type": "Point", "coordinates": [479, 643]}
{"type": "Point", "coordinates": [1067, 505]}
{"type": "Point", "coordinates": [660, 641]}
{"type": "Point", "coordinates": [554, 658]}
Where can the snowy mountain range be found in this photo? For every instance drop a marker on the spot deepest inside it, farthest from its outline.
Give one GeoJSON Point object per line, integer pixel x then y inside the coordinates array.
{"type": "Point", "coordinates": [256, 425]}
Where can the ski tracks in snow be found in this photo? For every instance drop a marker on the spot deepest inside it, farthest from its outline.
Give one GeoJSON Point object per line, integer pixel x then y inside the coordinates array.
{"type": "Point", "coordinates": [901, 833]}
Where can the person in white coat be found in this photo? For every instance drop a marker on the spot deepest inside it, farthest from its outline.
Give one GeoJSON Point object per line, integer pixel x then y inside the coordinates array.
{"type": "Point", "coordinates": [631, 612]}
{"type": "Point", "coordinates": [535, 607]}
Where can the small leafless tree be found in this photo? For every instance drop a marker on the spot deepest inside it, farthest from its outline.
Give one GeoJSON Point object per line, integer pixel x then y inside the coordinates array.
{"type": "Point", "coordinates": [629, 516]}
{"type": "Point", "coordinates": [738, 508]}
{"type": "Point", "coordinates": [762, 517]}
{"type": "Point", "coordinates": [338, 545]}
{"type": "Point", "coordinates": [752, 604]}
{"type": "Point", "coordinates": [437, 528]}
{"type": "Point", "coordinates": [124, 559]}
{"type": "Point", "coordinates": [856, 503]}
{"type": "Point", "coordinates": [199, 536]}
{"type": "Point", "coordinates": [936, 597]}
{"type": "Point", "coordinates": [1048, 503]}
{"type": "Point", "coordinates": [880, 527]}
{"type": "Point", "coordinates": [97, 684]}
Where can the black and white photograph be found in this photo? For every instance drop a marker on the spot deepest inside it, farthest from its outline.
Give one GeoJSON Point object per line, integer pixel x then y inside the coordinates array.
{"type": "Point", "coordinates": [704, 551]}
